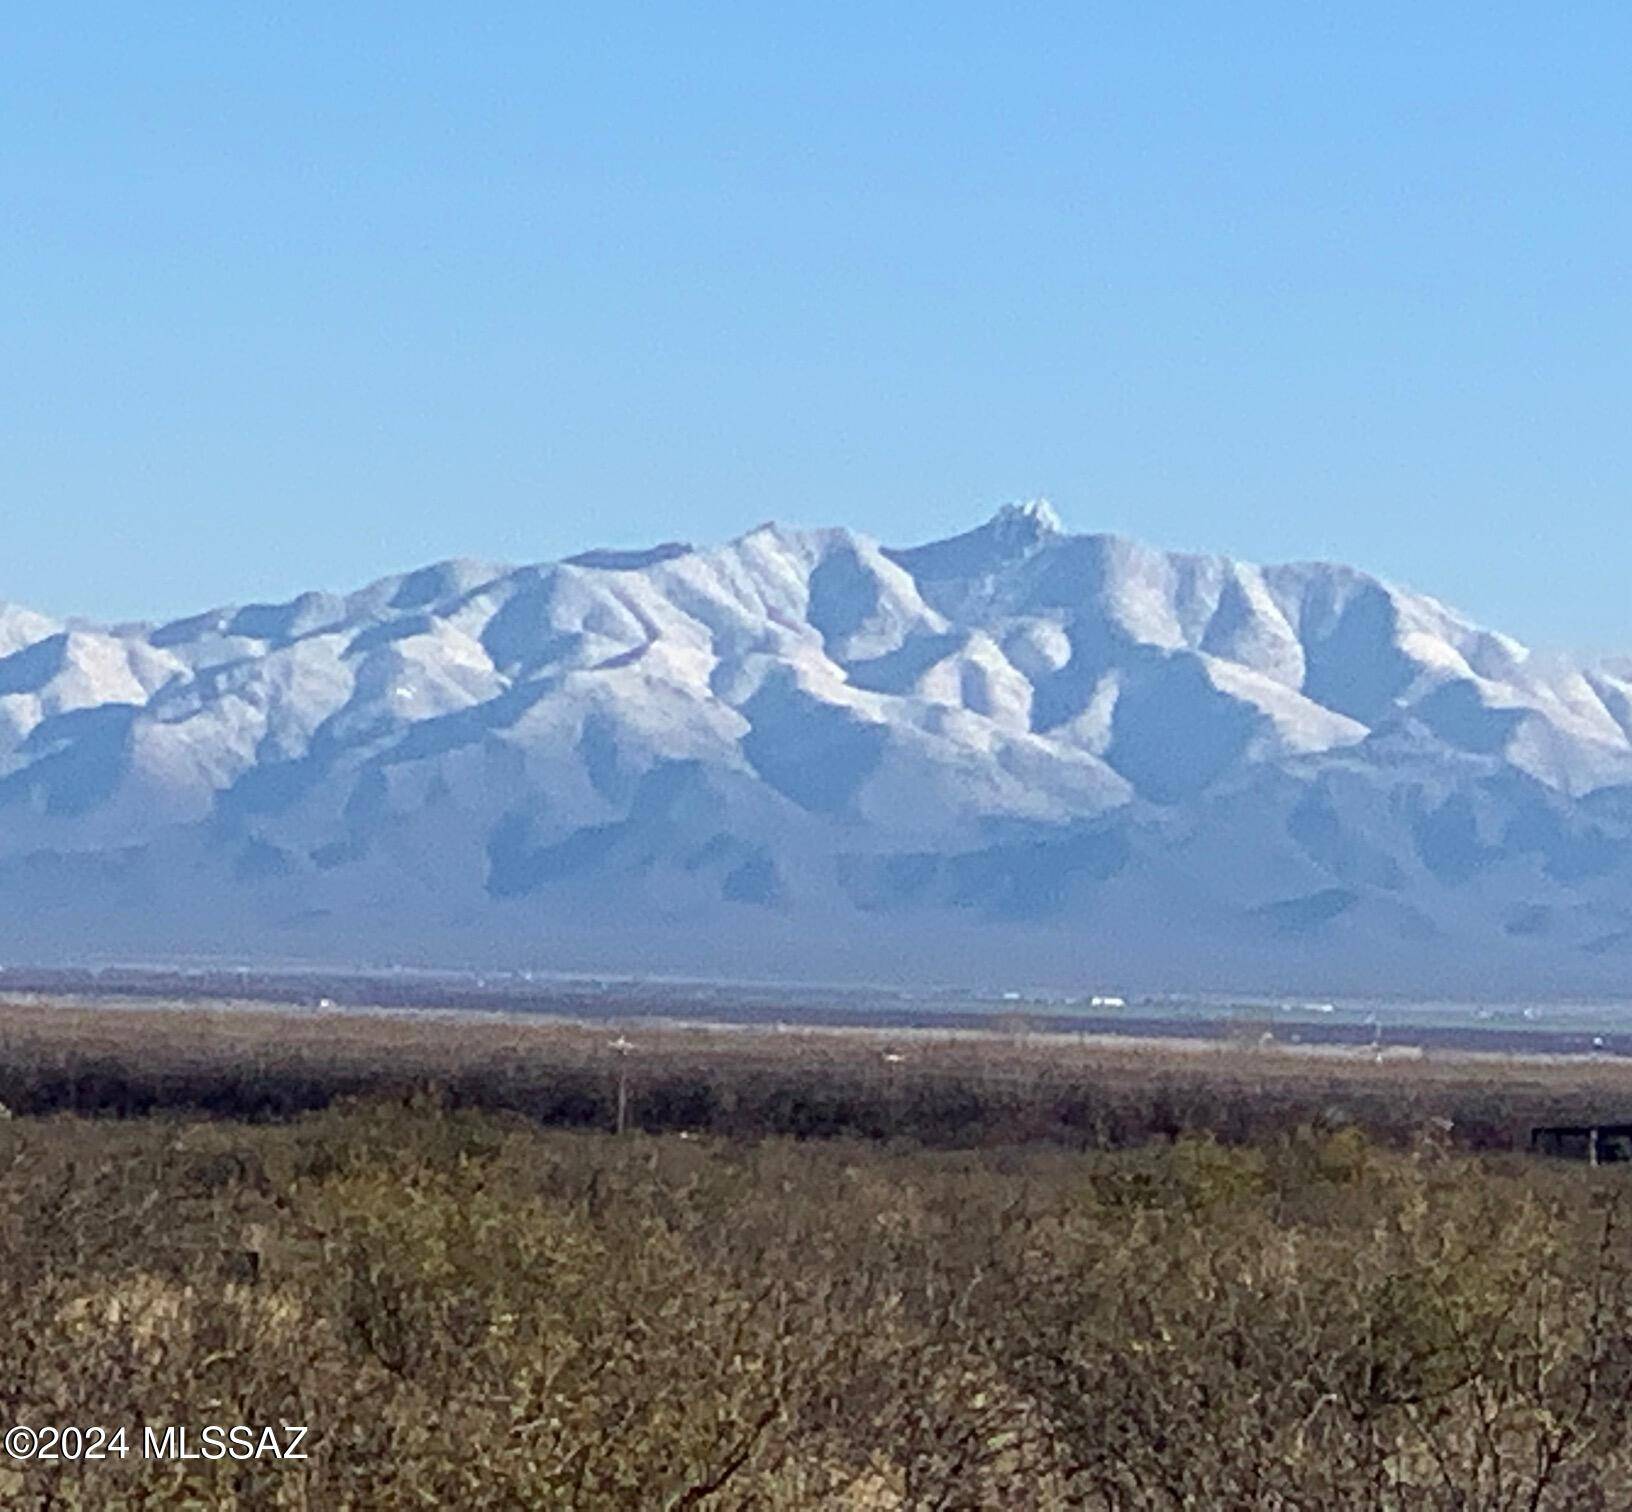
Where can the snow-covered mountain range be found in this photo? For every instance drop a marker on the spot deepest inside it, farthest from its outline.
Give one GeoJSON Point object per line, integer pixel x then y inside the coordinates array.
{"type": "Point", "coordinates": [1015, 755]}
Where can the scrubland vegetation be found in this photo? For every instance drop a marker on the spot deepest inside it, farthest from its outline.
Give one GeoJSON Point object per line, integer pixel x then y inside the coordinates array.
{"type": "Point", "coordinates": [1006, 1275]}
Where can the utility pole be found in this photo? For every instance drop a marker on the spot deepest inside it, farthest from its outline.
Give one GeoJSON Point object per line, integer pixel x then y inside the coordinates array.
{"type": "Point", "coordinates": [623, 1047]}
{"type": "Point", "coordinates": [892, 1062]}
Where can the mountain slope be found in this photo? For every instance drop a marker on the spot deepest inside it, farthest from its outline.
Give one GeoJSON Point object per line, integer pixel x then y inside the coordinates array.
{"type": "Point", "coordinates": [1019, 753]}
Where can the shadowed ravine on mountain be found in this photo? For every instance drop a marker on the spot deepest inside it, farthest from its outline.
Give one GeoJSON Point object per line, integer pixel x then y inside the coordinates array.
{"type": "Point", "coordinates": [1018, 753]}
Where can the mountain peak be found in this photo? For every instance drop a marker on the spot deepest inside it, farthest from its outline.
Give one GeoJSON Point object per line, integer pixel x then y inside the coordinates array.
{"type": "Point", "coordinates": [1011, 535]}
{"type": "Point", "coordinates": [1033, 517]}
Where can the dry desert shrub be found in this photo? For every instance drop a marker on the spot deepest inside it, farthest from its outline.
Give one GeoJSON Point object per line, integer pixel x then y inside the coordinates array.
{"type": "Point", "coordinates": [471, 1309]}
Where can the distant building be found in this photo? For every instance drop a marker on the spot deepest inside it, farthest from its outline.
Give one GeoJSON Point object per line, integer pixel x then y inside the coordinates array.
{"type": "Point", "coordinates": [1597, 1144]}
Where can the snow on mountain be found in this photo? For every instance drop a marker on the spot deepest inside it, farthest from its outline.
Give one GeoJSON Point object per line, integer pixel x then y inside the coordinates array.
{"type": "Point", "coordinates": [1017, 752]}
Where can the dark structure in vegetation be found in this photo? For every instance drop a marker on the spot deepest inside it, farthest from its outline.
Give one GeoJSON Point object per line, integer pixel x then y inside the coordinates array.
{"type": "Point", "coordinates": [1597, 1144]}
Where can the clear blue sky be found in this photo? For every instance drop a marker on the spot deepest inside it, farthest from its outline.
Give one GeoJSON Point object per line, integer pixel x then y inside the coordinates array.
{"type": "Point", "coordinates": [295, 296]}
